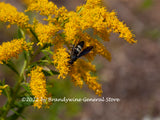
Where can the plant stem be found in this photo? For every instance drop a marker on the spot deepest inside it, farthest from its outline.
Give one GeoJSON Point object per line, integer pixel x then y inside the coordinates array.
{"type": "Point", "coordinates": [13, 96]}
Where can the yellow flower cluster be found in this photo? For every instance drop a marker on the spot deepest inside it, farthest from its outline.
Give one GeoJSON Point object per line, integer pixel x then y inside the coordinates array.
{"type": "Point", "coordinates": [49, 9]}
{"type": "Point", "coordinates": [12, 49]}
{"type": "Point", "coordinates": [91, 15]}
{"type": "Point", "coordinates": [45, 7]}
{"type": "Point", "coordinates": [92, 83]}
{"type": "Point", "coordinates": [63, 29]}
{"type": "Point", "coordinates": [97, 18]}
{"type": "Point", "coordinates": [8, 13]}
{"type": "Point", "coordinates": [80, 72]}
{"type": "Point", "coordinates": [118, 27]}
{"type": "Point", "coordinates": [2, 87]}
{"type": "Point", "coordinates": [45, 33]}
{"type": "Point", "coordinates": [72, 27]}
{"type": "Point", "coordinates": [38, 86]}
{"type": "Point", "coordinates": [61, 58]}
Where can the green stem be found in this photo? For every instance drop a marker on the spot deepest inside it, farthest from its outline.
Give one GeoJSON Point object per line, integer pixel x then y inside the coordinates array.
{"type": "Point", "coordinates": [13, 94]}
{"type": "Point", "coordinates": [11, 100]}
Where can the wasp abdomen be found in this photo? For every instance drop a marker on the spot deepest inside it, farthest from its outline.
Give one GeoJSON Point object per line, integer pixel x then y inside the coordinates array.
{"type": "Point", "coordinates": [79, 47]}
{"type": "Point", "coordinates": [77, 51]}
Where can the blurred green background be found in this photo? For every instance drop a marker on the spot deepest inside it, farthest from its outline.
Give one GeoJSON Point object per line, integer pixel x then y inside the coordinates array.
{"type": "Point", "coordinates": [133, 75]}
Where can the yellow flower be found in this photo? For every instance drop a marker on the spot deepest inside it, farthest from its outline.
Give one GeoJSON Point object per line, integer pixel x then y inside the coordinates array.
{"type": "Point", "coordinates": [102, 22]}
{"type": "Point", "coordinates": [92, 83]}
{"type": "Point", "coordinates": [60, 59]}
{"type": "Point", "coordinates": [80, 71]}
{"type": "Point", "coordinates": [2, 87]}
{"type": "Point", "coordinates": [9, 13]}
{"type": "Point", "coordinates": [117, 26]}
{"type": "Point", "coordinates": [45, 33]}
{"type": "Point", "coordinates": [72, 27]}
{"type": "Point", "coordinates": [38, 86]}
{"type": "Point", "coordinates": [12, 49]}
{"type": "Point", "coordinates": [76, 79]}
{"type": "Point", "coordinates": [45, 7]}
{"type": "Point", "coordinates": [48, 9]}
{"type": "Point", "coordinates": [61, 14]}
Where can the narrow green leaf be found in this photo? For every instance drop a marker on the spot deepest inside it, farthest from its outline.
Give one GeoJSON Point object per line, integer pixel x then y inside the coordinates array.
{"type": "Point", "coordinates": [65, 21]}
{"type": "Point", "coordinates": [34, 34]}
{"type": "Point", "coordinates": [80, 10]}
{"type": "Point", "coordinates": [55, 72]}
{"type": "Point", "coordinates": [23, 68]}
{"type": "Point", "coordinates": [16, 114]}
{"type": "Point", "coordinates": [11, 65]}
{"type": "Point", "coordinates": [43, 61]}
{"type": "Point", "coordinates": [26, 87]}
{"type": "Point", "coordinates": [46, 46]}
{"type": "Point", "coordinates": [21, 33]}
{"type": "Point", "coordinates": [25, 53]}
{"type": "Point", "coordinates": [47, 51]}
{"type": "Point", "coordinates": [50, 72]}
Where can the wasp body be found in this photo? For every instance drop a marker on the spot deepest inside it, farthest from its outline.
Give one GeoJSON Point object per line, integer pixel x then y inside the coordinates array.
{"type": "Point", "coordinates": [77, 51]}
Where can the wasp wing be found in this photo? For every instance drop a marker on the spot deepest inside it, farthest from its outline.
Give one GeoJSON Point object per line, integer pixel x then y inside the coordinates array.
{"type": "Point", "coordinates": [85, 51]}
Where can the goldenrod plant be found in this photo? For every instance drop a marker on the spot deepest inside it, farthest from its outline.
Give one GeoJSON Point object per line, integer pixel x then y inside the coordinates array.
{"type": "Point", "coordinates": [45, 45]}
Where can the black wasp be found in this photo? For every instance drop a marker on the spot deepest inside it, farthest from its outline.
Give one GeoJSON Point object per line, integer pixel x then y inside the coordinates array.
{"type": "Point", "coordinates": [77, 51]}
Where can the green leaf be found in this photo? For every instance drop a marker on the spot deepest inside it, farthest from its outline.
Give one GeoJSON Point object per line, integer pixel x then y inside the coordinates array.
{"type": "Point", "coordinates": [26, 87]}
{"type": "Point", "coordinates": [46, 58]}
{"type": "Point", "coordinates": [62, 35]}
{"type": "Point", "coordinates": [34, 34]}
{"type": "Point", "coordinates": [29, 68]}
{"type": "Point", "coordinates": [80, 10]}
{"type": "Point", "coordinates": [11, 65]}
{"type": "Point", "coordinates": [65, 21]}
{"type": "Point", "coordinates": [17, 113]}
{"type": "Point", "coordinates": [50, 72]}
{"type": "Point", "coordinates": [2, 82]}
{"type": "Point", "coordinates": [25, 55]}
{"type": "Point", "coordinates": [47, 51]}
{"type": "Point", "coordinates": [21, 33]}
{"type": "Point", "coordinates": [46, 45]}
{"type": "Point", "coordinates": [43, 61]}
{"type": "Point", "coordinates": [23, 68]}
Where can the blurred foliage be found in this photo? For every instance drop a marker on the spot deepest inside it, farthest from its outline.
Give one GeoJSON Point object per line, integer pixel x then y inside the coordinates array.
{"type": "Point", "coordinates": [59, 110]}
{"type": "Point", "coordinates": [146, 4]}
{"type": "Point", "coordinates": [154, 34]}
